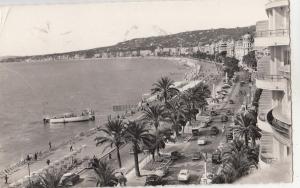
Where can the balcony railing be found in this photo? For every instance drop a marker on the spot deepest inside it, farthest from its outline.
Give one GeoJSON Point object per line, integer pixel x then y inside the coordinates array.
{"type": "Point", "coordinates": [261, 76]}
{"type": "Point", "coordinates": [278, 126]}
{"type": "Point", "coordinates": [272, 33]}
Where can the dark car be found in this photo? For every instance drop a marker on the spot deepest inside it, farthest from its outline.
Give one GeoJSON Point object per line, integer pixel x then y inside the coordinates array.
{"type": "Point", "coordinates": [214, 131]}
{"type": "Point", "coordinates": [229, 113]}
{"type": "Point", "coordinates": [224, 118]}
{"type": "Point", "coordinates": [196, 156]}
{"type": "Point", "coordinates": [175, 155]}
{"type": "Point", "coordinates": [154, 180]}
{"type": "Point", "coordinates": [213, 113]}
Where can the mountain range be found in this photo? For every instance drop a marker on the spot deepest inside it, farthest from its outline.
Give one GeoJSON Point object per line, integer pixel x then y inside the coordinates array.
{"type": "Point", "coordinates": [183, 39]}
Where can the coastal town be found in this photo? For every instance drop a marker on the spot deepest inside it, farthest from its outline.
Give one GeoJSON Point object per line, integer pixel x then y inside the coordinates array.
{"type": "Point", "coordinates": [227, 121]}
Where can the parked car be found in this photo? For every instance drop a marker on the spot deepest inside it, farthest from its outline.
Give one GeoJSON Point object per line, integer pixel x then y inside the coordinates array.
{"type": "Point", "coordinates": [213, 113]}
{"type": "Point", "coordinates": [201, 142]}
{"type": "Point", "coordinates": [224, 118]}
{"type": "Point", "coordinates": [229, 113]}
{"type": "Point", "coordinates": [184, 175]}
{"type": "Point", "coordinates": [162, 171]}
{"type": "Point", "coordinates": [231, 101]}
{"type": "Point", "coordinates": [214, 131]}
{"type": "Point", "coordinates": [196, 156]}
{"type": "Point", "coordinates": [69, 179]}
{"type": "Point", "coordinates": [175, 155]}
{"type": "Point", "coordinates": [154, 180]}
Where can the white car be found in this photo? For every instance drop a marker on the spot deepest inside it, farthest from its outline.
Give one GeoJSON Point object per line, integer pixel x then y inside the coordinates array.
{"type": "Point", "coordinates": [201, 142]}
{"type": "Point", "coordinates": [184, 175]}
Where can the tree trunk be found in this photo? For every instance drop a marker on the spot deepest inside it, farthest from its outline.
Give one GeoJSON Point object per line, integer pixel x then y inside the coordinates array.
{"type": "Point", "coordinates": [156, 139]}
{"type": "Point", "coordinates": [119, 157]}
{"type": "Point", "coordinates": [253, 142]}
{"type": "Point", "coordinates": [157, 150]}
{"type": "Point", "coordinates": [246, 140]}
{"type": "Point", "coordinates": [176, 130]}
{"type": "Point", "coordinates": [136, 161]}
{"type": "Point", "coordinates": [165, 97]}
{"type": "Point", "coordinates": [153, 155]}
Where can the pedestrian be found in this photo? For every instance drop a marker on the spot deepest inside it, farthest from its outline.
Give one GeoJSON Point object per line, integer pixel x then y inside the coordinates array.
{"type": "Point", "coordinates": [6, 179]}
{"type": "Point", "coordinates": [71, 148]}
{"type": "Point", "coordinates": [48, 161]}
{"type": "Point", "coordinates": [35, 156]}
{"type": "Point", "coordinates": [109, 155]}
{"type": "Point", "coordinates": [50, 146]}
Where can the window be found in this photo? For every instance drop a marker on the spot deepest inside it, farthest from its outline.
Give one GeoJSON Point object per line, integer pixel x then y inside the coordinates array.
{"type": "Point", "coordinates": [286, 57]}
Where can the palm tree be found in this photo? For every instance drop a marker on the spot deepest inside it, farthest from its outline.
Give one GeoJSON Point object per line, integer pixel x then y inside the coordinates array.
{"type": "Point", "coordinates": [105, 175]}
{"type": "Point", "coordinates": [177, 111]}
{"type": "Point", "coordinates": [237, 161]}
{"type": "Point", "coordinates": [246, 127]}
{"type": "Point", "coordinates": [195, 98]}
{"type": "Point", "coordinates": [154, 115]}
{"type": "Point", "coordinates": [158, 142]}
{"type": "Point", "coordinates": [138, 135]}
{"type": "Point", "coordinates": [198, 95]}
{"type": "Point", "coordinates": [113, 131]}
{"type": "Point", "coordinates": [165, 88]}
{"type": "Point", "coordinates": [50, 179]}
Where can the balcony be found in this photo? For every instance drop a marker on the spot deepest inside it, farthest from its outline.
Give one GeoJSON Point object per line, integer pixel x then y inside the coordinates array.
{"type": "Point", "coordinates": [270, 82]}
{"type": "Point", "coordinates": [281, 130]}
{"type": "Point", "coordinates": [276, 3]}
{"type": "Point", "coordinates": [276, 37]}
{"type": "Point", "coordinates": [262, 123]}
{"type": "Point", "coordinates": [285, 71]}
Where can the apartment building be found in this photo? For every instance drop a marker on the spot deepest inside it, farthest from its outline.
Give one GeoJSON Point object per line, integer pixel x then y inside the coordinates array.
{"type": "Point", "coordinates": [274, 79]}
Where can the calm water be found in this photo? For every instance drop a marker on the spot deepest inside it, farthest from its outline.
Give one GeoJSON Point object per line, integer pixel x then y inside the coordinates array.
{"type": "Point", "coordinates": [29, 91]}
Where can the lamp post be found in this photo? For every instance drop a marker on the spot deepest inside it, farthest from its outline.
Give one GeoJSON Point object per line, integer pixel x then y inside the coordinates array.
{"type": "Point", "coordinates": [28, 166]}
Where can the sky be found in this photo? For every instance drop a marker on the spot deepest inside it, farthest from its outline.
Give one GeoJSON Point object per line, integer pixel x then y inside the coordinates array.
{"type": "Point", "coordinates": [53, 27]}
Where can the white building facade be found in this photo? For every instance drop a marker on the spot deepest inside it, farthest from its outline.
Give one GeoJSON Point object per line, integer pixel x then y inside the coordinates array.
{"type": "Point", "coordinates": [274, 79]}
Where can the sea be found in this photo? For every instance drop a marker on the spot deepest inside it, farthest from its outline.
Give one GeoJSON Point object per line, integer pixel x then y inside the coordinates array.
{"type": "Point", "coordinates": [30, 91]}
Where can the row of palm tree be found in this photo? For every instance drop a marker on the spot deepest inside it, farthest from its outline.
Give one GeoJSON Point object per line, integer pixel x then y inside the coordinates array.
{"type": "Point", "coordinates": [239, 157]}
{"type": "Point", "coordinates": [175, 108]}
{"type": "Point", "coordinates": [117, 133]}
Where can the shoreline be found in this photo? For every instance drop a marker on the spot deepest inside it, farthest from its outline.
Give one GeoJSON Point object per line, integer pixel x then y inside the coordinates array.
{"type": "Point", "coordinates": [11, 165]}
{"type": "Point", "coordinates": [88, 133]}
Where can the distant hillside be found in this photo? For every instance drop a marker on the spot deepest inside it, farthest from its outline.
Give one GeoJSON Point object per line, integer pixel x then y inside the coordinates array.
{"type": "Point", "coordinates": [184, 39]}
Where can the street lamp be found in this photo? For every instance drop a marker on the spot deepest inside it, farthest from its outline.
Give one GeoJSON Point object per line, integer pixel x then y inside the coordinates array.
{"type": "Point", "coordinates": [28, 166]}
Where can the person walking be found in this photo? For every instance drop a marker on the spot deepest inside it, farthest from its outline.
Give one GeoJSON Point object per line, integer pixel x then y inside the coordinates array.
{"type": "Point", "coordinates": [50, 146]}
{"type": "Point", "coordinates": [6, 179]}
{"type": "Point", "coordinates": [48, 161]}
{"type": "Point", "coordinates": [35, 156]}
{"type": "Point", "coordinates": [71, 148]}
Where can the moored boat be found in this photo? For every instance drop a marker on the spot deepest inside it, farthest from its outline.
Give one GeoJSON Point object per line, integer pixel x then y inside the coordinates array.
{"type": "Point", "coordinates": [86, 115]}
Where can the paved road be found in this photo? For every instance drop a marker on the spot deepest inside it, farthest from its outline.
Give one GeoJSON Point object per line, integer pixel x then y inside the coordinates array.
{"type": "Point", "coordinates": [188, 148]}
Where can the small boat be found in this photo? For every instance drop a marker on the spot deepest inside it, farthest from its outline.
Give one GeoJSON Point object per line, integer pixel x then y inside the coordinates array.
{"type": "Point", "coordinates": [86, 115]}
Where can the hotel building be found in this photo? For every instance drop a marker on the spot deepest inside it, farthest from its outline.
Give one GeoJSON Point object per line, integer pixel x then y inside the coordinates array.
{"type": "Point", "coordinates": [273, 77]}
